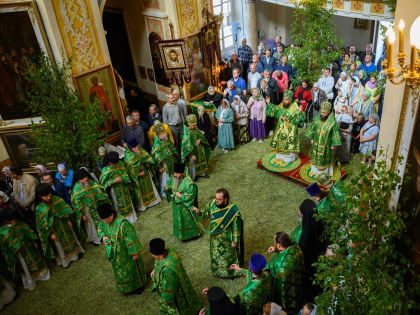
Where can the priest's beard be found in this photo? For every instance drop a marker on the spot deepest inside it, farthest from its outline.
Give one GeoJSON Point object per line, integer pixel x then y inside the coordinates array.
{"type": "Point", "coordinates": [178, 181]}
{"type": "Point", "coordinates": [286, 105]}
{"type": "Point", "coordinates": [136, 150]}
{"type": "Point", "coordinates": [324, 118]}
{"type": "Point", "coordinates": [164, 139]}
{"type": "Point", "coordinates": [85, 184]}
{"type": "Point", "coordinates": [221, 206]}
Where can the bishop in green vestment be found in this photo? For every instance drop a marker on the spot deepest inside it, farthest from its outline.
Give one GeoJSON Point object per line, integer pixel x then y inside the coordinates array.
{"type": "Point", "coordinates": [140, 168]}
{"type": "Point", "coordinates": [226, 234]}
{"type": "Point", "coordinates": [183, 193]}
{"type": "Point", "coordinates": [55, 227]}
{"type": "Point", "coordinates": [287, 271]}
{"type": "Point", "coordinates": [257, 290]}
{"type": "Point", "coordinates": [325, 136]}
{"type": "Point", "coordinates": [114, 176]}
{"type": "Point", "coordinates": [86, 196]}
{"type": "Point", "coordinates": [123, 250]}
{"type": "Point", "coordinates": [171, 282]}
{"type": "Point", "coordinates": [335, 198]}
{"type": "Point", "coordinates": [20, 250]}
{"type": "Point", "coordinates": [289, 117]}
{"type": "Point", "coordinates": [165, 155]}
{"type": "Point", "coordinates": [195, 150]}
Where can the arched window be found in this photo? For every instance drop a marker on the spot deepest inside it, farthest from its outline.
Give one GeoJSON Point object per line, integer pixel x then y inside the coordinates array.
{"type": "Point", "coordinates": [224, 7]}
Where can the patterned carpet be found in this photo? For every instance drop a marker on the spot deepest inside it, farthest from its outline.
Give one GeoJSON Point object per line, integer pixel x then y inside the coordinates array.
{"type": "Point", "coordinates": [268, 204]}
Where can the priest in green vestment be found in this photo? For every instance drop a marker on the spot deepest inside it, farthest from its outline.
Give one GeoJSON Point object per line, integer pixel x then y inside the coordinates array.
{"type": "Point", "coordinates": [257, 290]}
{"type": "Point", "coordinates": [114, 176]}
{"type": "Point", "coordinates": [165, 155]}
{"type": "Point", "coordinates": [55, 227]}
{"type": "Point", "coordinates": [86, 196]}
{"type": "Point", "coordinates": [171, 282]}
{"type": "Point", "coordinates": [195, 150]}
{"type": "Point", "coordinates": [335, 198]}
{"type": "Point", "coordinates": [140, 168]}
{"type": "Point", "coordinates": [287, 271]}
{"type": "Point", "coordinates": [325, 137]}
{"type": "Point", "coordinates": [289, 117]}
{"type": "Point", "coordinates": [181, 190]}
{"type": "Point", "coordinates": [20, 250]}
{"type": "Point", "coordinates": [123, 250]}
{"type": "Point", "coordinates": [226, 234]}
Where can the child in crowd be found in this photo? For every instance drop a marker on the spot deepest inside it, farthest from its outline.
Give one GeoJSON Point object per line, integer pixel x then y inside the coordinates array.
{"type": "Point", "coordinates": [339, 102]}
{"type": "Point", "coordinates": [357, 126]}
{"type": "Point", "coordinates": [345, 123]}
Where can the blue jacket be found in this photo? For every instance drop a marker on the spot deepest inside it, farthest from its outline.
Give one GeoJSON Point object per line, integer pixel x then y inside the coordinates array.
{"type": "Point", "coordinates": [271, 65]}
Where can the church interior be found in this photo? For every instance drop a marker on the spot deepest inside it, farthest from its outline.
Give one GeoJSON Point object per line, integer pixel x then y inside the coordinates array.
{"type": "Point", "coordinates": [336, 126]}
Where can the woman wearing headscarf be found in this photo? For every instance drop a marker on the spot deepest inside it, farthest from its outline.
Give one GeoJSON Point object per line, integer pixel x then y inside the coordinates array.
{"type": "Point", "coordinates": [375, 90]}
{"type": "Point", "coordinates": [354, 91]}
{"type": "Point", "coordinates": [39, 171]}
{"type": "Point", "coordinates": [101, 159]}
{"type": "Point", "coordinates": [8, 179]}
{"type": "Point", "coordinates": [303, 95]}
{"type": "Point", "coordinates": [204, 124]}
{"type": "Point", "coordinates": [369, 138]}
{"type": "Point", "coordinates": [363, 77]}
{"type": "Point", "coordinates": [224, 117]}
{"type": "Point", "coordinates": [364, 106]}
{"type": "Point", "coordinates": [352, 70]}
{"type": "Point", "coordinates": [310, 242]}
{"type": "Point", "coordinates": [240, 124]}
{"type": "Point", "coordinates": [257, 107]}
{"type": "Point", "coordinates": [287, 270]}
{"type": "Point", "coordinates": [7, 202]}
{"type": "Point", "coordinates": [213, 97]}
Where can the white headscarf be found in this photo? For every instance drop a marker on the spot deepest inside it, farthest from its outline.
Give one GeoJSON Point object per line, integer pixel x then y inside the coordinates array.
{"type": "Point", "coordinates": [223, 109]}
{"type": "Point", "coordinates": [4, 196]}
{"type": "Point", "coordinates": [6, 169]}
{"type": "Point", "coordinates": [61, 166]}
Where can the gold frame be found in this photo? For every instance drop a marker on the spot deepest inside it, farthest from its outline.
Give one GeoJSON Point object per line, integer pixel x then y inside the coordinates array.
{"type": "Point", "coordinates": [114, 136]}
{"type": "Point", "coordinates": [10, 152]}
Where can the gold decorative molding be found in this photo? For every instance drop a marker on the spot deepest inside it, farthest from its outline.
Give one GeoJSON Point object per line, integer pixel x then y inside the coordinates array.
{"type": "Point", "coordinates": [80, 37]}
{"type": "Point", "coordinates": [187, 17]}
{"type": "Point", "coordinates": [400, 126]}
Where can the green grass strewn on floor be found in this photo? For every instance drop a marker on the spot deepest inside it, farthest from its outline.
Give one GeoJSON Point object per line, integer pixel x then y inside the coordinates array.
{"type": "Point", "coordinates": [268, 204]}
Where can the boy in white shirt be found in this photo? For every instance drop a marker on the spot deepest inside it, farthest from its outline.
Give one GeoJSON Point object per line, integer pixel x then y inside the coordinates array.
{"type": "Point", "coordinates": [345, 123]}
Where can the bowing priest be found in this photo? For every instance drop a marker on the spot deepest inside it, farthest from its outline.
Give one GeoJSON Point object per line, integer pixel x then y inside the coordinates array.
{"type": "Point", "coordinates": [140, 168]}
{"type": "Point", "coordinates": [165, 155]}
{"type": "Point", "coordinates": [226, 234]}
{"type": "Point", "coordinates": [55, 227]}
{"type": "Point", "coordinates": [114, 176]}
{"type": "Point", "coordinates": [86, 196]}
{"type": "Point", "coordinates": [181, 190]}
{"type": "Point", "coordinates": [123, 250]}
{"type": "Point", "coordinates": [195, 150]}
{"type": "Point", "coordinates": [287, 270]}
{"type": "Point", "coordinates": [257, 290]}
{"type": "Point", "coordinates": [171, 282]}
{"type": "Point", "coordinates": [20, 250]}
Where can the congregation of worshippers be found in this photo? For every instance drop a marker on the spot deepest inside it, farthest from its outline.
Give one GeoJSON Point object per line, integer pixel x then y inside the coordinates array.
{"type": "Point", "coordinates": [49, 217]}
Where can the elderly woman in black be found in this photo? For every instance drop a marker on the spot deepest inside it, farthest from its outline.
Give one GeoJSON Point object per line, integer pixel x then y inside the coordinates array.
{"type": "Point", "coordinates": [213, 97]}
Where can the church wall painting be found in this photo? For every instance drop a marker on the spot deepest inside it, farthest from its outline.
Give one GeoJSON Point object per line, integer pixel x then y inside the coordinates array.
{"type": "Point", "coordinates": [22, 38]}
{"type": "Point", "coordinates": [99, 83]}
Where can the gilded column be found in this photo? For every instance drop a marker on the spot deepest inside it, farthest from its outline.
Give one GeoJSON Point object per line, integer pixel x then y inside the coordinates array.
{"type": "Point", "coordinates": [251, 24]}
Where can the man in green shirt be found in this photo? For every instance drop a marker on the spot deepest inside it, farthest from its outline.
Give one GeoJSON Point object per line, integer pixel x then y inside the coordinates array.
{"type": "Point", "coordinates": [257, 290]}
{"type": "Point", "coordinates": [171, 282]}
{"type": "Point", "coordinates": [181, 190]}
{"type": "Point", "coordinates": [123, 250]}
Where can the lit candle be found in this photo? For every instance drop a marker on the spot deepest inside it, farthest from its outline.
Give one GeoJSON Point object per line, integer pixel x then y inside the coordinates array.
{"type": "Point", "coordinates": [415, 42]}
{"type": "Point", "coordinates": [391, 39]}
{"type": "Point", "coordinates": [401, 39]}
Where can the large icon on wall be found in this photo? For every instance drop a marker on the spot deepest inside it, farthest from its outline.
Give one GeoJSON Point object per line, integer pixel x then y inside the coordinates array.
{"type": "Point", "coordinates": [20, 147]}
{"type": "Point", "coordinates": [21, 38]}
{"type": "Point", "coordinates": [98, 84]}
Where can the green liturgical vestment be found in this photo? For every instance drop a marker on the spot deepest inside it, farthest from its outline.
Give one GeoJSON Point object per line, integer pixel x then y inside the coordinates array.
{"type": "Point", "coordinates": [324, 135]}
{"type": "Point", "coordinates": [164, 152]}
{"type": "Point", "coordinates": [226, 227]}
{"type": "Point", "coordinates": [184, 225]}
{"type": "Point", "coordinates": [122, 190]}
{"type": "Point", "coordinates": [54, 218]}
{"type": "Point", "coordinates": [287, 271]}
{"type": "Point", "coordinates": [143, 185]}
{"type": "Point", "coordinates": [122, 244]}
{"type": "Point", "coordinates": [171, 282]}
{"type": "Point", "coordinates": [88, 199]}
{"type": "Point", "coordinates": [285, 138]}
{"type": "Point", "coordinates": [333, 201]}
{"type": "Point", "coordinates": [296, 233]}
{"type": "Point", "coordinates": [19, 239]}
{"type": "Point", "coordinates": [255, 294]}
{"type": "Point", "coordinates": [189, 149]}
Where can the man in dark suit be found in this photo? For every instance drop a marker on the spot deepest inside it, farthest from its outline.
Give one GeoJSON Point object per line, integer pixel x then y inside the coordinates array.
{"type": "Point", "coordinates": [268, 61]}
{"type": "Point", "coordinates": [318, 97]}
